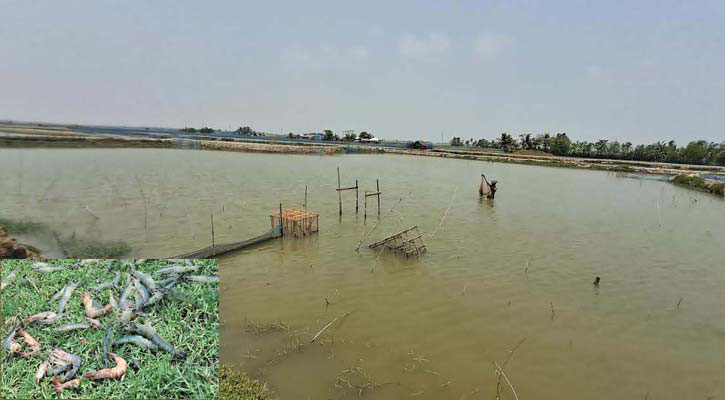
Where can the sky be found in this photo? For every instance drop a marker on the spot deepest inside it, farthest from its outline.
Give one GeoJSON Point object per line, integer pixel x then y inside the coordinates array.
{"type": "Point", "coordinates": [637, 71]}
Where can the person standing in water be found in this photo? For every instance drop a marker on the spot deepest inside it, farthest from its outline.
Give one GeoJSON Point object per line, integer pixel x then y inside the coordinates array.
{"type": "Point", "coordinates": [489, 189]}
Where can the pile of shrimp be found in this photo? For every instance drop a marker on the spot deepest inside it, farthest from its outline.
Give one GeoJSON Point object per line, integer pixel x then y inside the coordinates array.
{"type": "Point", "coordinates": [141, 291]}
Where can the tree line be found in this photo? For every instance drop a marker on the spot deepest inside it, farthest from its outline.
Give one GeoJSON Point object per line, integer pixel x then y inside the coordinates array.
{"type": "Point", "coordinates": [699, 152]}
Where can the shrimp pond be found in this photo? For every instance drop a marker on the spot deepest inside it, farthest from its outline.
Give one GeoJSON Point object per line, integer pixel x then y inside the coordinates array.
{"type": "Point", "coordinates": [512, 274]}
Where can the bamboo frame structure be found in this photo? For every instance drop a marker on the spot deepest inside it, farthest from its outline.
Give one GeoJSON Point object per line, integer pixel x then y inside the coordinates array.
{"type": "Point", "coordinates": [376, 193]}
{"type": "Point", "coordinates": [408, 241]}
{"type": "Point", "coordinates": [295, 222]}
{"type": "Point", "coordinates": [340, 189]}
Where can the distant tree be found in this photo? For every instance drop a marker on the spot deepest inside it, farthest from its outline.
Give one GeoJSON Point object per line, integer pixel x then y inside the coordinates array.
{"type": "Point", "coordinates": [456, 141]}
{"type": "Point", "coordinates": [244, 130]}
{"type": "Point", "coordinates": [506, 143]}
{"type": "Point", "coordinates": [560, 145]}
{"type": "Point", "coordinates": [206, 129]}
{"type": "Point", "coordinates": [482, 143]}
{"type": "Point", "coordinates": [291, 135]}
{"type": "Point", "coordinates": [365, 135]}
{"type": "Point", "coordinates": [350, 137]}
{"type": "Point", "coordinates": [695, 152]}
{"type": "Point", "coordinates": [187, 129]}
{"type": "Point", "coordinates": [526, 142]}
{"type": "Point", "coordinates": [601, 147]}
{"type": "Point", "coordinates": [627, 151]}
{"type": "Point", "coordinates": [720, 158]}
{"type": "Point", "coordinates": [329, 135]}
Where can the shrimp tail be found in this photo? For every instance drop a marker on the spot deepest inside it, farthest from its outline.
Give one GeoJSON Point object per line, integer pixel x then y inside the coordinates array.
{"type": "Point", "coordinates": [73, 384]}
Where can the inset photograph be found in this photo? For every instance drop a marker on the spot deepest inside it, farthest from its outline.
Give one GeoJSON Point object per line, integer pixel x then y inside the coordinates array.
{"type": "Point", "coordinates": [103, 329]}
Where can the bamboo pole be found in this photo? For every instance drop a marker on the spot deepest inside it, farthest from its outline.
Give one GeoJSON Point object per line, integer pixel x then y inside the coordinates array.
{"type": "Point", "coordinates": [281, 225]}
{"type": "Point", "coordinates": [328, 325]}
{"type": "Point", "coordinates": [212, 235]}
{"type": "Point", "coordinates": [446, 213]}
{"type": "Point", "coordinates": [145, 206]}
{"type": "Point", "coordinates": [378, 223]}
{"type": "Point", "coordinates": [356, 196]}
{"type": "Point", "coordinates": [377, 183]}
{"type": "Point", "coordinates": [500, 371]}
{"type": "Point", "coordinates": [92, 213]}
{"type": "Point", "coordinates": [339, 193]}
{"type": "Point", "coordinates": [305, 197]}
{"type": "Point", "coordinates": [366, 205]}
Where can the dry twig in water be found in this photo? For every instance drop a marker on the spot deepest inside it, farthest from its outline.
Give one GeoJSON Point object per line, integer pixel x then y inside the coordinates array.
{"type": "Point", "coordinates": [500, 371]}
{"type": "Point", "coordinates": [92, 213]}
{"type": "Point", "coordinates": [328, 325]}
{"type": "Point", "coordinates": [508, 358]}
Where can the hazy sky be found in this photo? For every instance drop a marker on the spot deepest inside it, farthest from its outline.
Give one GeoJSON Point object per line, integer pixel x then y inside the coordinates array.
{"type": "Point", "coordinates": [628, 70]}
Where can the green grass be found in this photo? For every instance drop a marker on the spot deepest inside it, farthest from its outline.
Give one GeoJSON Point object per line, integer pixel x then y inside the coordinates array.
{"type": "Point", "coordinates": [236, 385]}
{"type": "Point", "coordinates": [698, 183]}
{"type": "Point", "coordinates": [718, 188]}
{"type": "Point", "coordinates": [161, 375]}
{"type": "Point", "coordinates": [691, 181]}
{"type": "Point", "coordinates": [20, 227]}
{"type": "Point", "coordinates": [73, 246]}
{"type": "Point", "coordinates": [89, 248]}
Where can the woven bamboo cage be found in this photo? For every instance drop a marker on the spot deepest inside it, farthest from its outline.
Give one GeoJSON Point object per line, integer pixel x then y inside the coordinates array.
{"type": "Point", "coordinates": [295, 222]}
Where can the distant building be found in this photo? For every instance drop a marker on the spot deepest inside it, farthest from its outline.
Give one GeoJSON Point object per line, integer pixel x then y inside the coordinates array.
{"type": "Point", "coordinates": [313, 136]}
{"type": "Point", "coordinates": [371, 140]}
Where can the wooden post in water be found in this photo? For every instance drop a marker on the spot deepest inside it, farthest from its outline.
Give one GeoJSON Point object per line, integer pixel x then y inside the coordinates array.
{"type": "Point", "coordinates": [377, 183]}
{"type": "Point", "coordinates": [212, 235]}
{"type": "Point", "coordinates": [305, 197]}
{"type": "Point", "coordinates": [281, 225]}
{"type": "Point", "coordinates": [366, 205]}
{"type": "Point", "coordinates": [356, 196]}
{"type": "Point", "coordinates": [339, 192]}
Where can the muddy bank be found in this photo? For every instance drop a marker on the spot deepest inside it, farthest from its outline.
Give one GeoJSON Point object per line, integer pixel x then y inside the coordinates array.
{"type": "Point", "coordinates": [241, 145]}
{"type": "Point", "coordinates": [83, 141]}
{"type": "Point", "coordinates": [701, 184]}
{"type": "Point", "coordinates": [10, 248]}
{"type": "Point", "coordinates": [230, 145]}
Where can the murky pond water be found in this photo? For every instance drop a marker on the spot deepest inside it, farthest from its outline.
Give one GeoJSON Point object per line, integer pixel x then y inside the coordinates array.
{"type": "Point", "coordinates": [520, 268]}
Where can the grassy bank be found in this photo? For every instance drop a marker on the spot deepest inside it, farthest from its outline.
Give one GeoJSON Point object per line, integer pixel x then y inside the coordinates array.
{"type": "Point", "coordinates": [22, 227]}
{"type": "Point", "coordinates": [194, 330]}
{"type": "Point", "coordinates": [72, 246]}
{"type": "Point", "coordinates": [83, 141]}
{"type": "Point", "coordinates": [703, 185]}
{"type": "Point", "coordinates": [237, 385]}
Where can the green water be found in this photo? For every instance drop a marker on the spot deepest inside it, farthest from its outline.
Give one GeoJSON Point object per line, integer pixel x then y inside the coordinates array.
{"type": "Point", "coordinates": [427, 328]}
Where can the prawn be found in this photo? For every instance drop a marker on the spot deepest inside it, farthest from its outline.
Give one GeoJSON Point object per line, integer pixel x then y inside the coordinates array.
{"type": "Point", "coordinates": [110, 373]}
{"type": "Point", "coordinates": [41, 372]}
{"type": "Point", "coordinates": [72, 384]}
{"type": "Point", "coordinates": [34, 344]}
{"type": "Point", "coordinates": [91, 309]}
{"type": "Point", "coordinates": [39, 316]}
